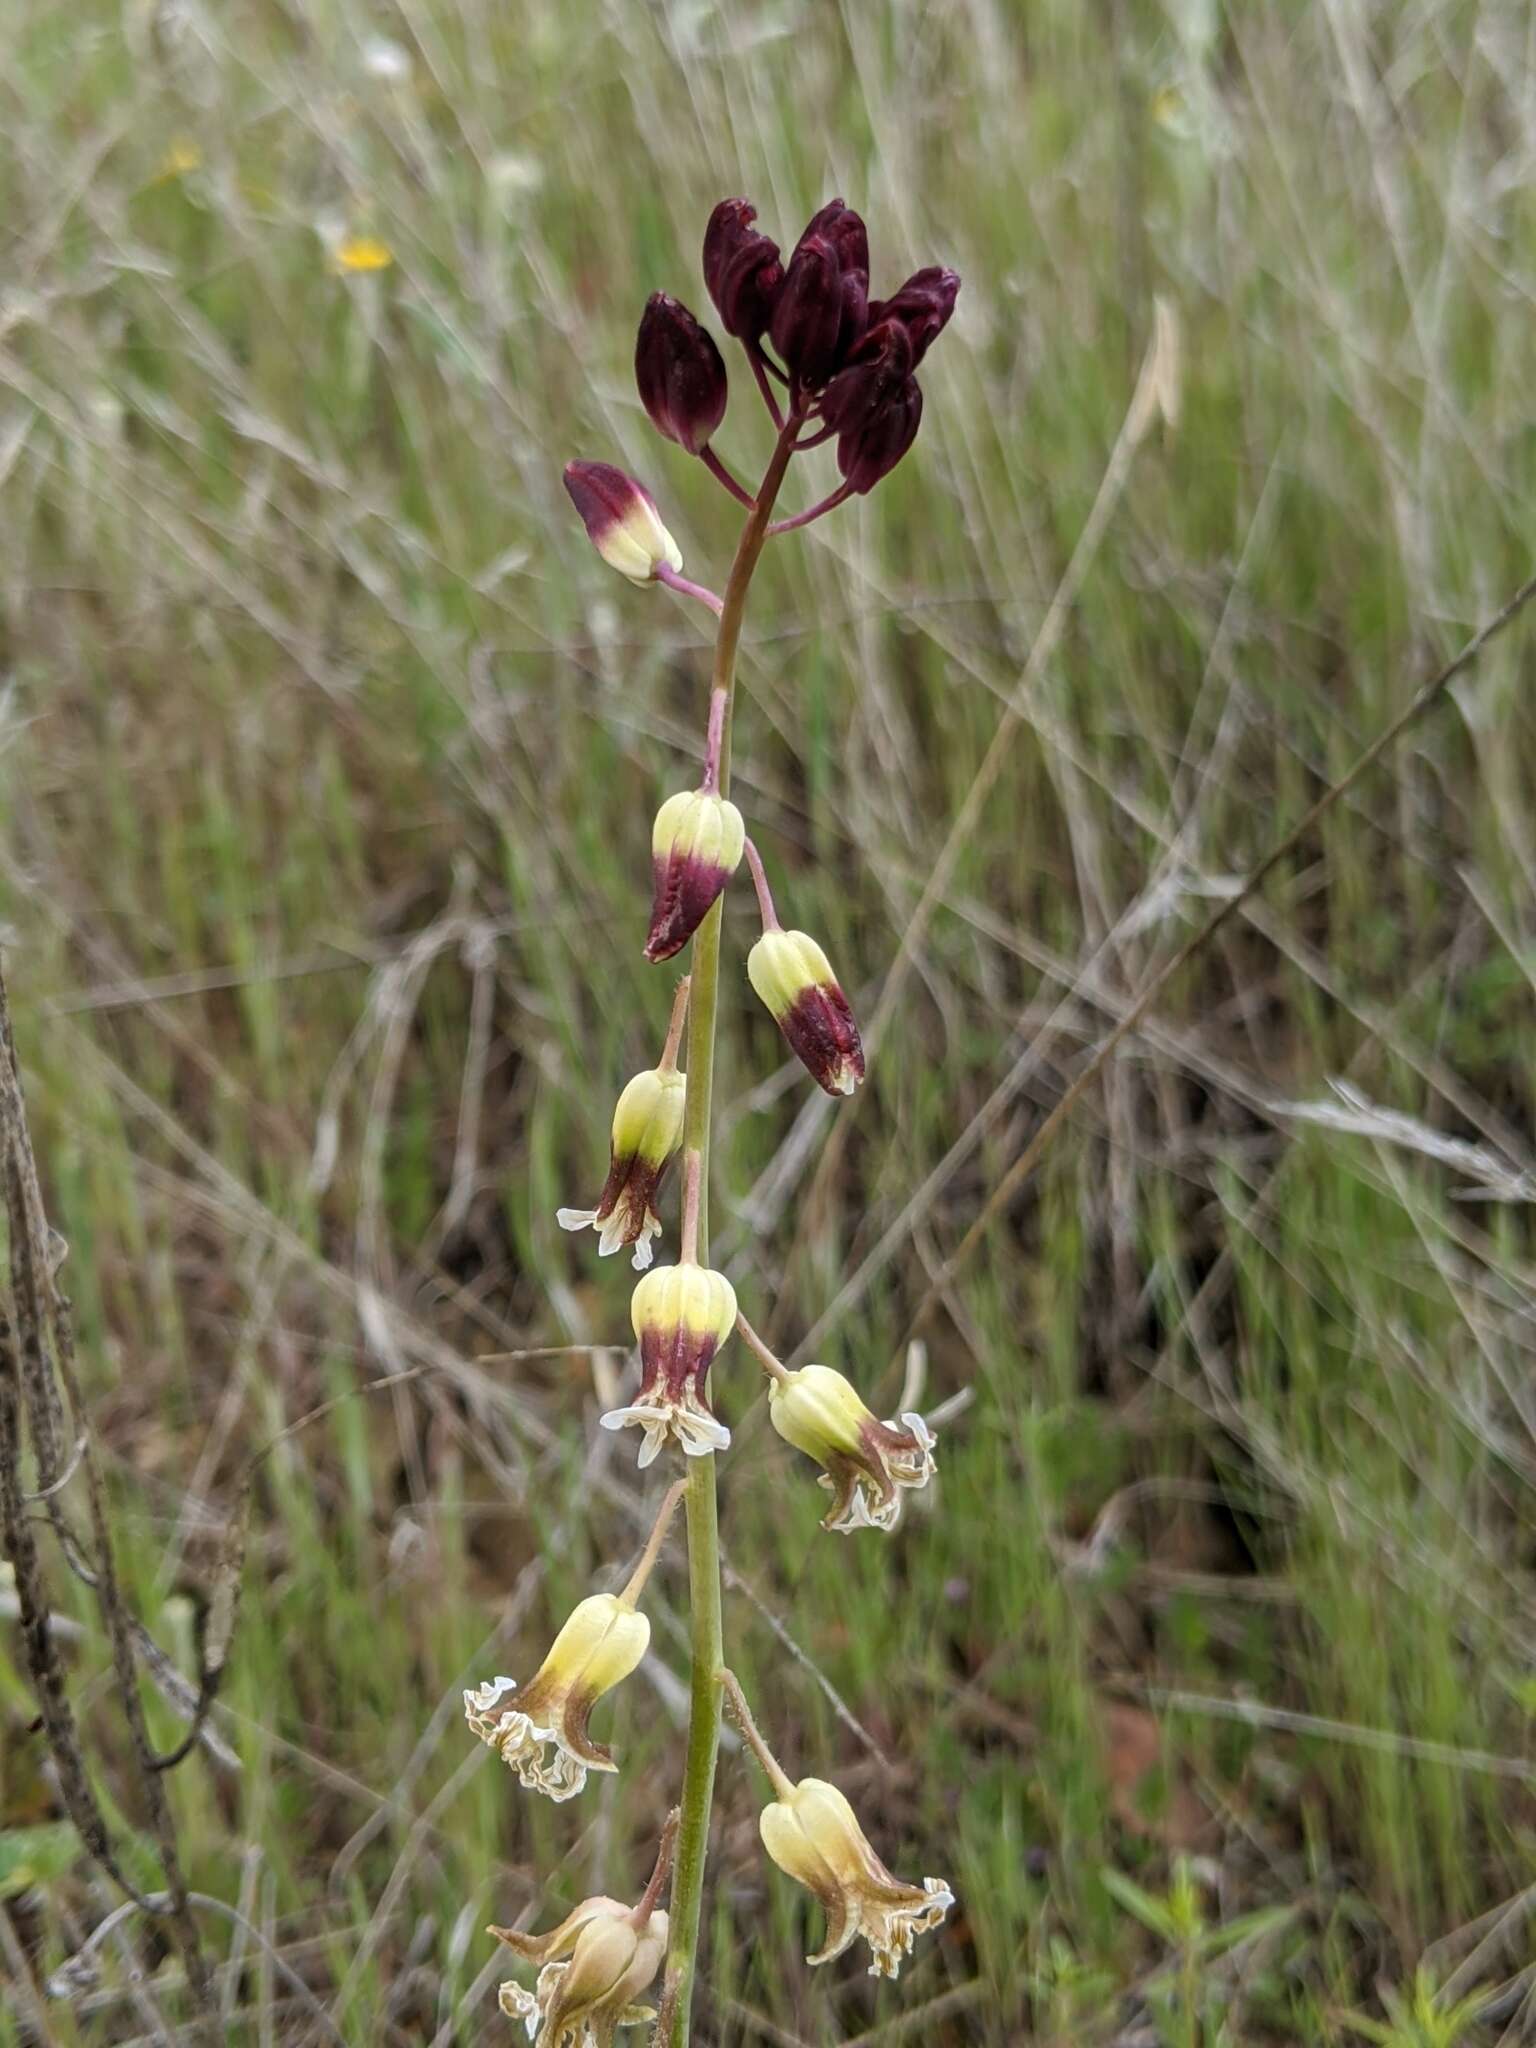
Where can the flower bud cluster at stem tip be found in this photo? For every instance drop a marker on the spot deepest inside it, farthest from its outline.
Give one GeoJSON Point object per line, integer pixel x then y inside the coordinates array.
{"type": "Point", "coordinates": [832, 365]}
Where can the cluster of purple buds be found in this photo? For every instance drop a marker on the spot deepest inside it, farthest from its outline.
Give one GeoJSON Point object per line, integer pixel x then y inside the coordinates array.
{"type": "Point", "coordinates": [832, 364]}
{"type": "Point", "coordinates": [846, 362]}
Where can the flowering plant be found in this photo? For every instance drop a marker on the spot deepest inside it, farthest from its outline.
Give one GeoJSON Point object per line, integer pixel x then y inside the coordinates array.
{"type": "Point", "coordinates": [831, 365]}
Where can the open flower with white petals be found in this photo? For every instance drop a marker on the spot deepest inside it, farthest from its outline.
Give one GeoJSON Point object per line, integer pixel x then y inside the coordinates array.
{"type": "Point", "coordinates": [868, 1464]}
{"type": "Point", "coordinates": [647, 1128]}
{"type": "Point", "coordinates": [682, 1315]}
{"type": "Point", "coordinates": [812, 1834]}
{"type": "Point", "coordinates": [541, 1731]}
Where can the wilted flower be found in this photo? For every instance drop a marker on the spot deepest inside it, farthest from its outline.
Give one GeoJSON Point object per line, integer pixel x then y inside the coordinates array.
{"type": "Point", "coordinates": [812, 1834]}
{"type": "Point", "coordinates": [695, 848]}
{"type": "Point", "coordinates": [647, 1129]}
{"type": "Point", "coordinates": [622, 521]}
{"type": "Point", "coordinates": [543, 1734]}
{"type": "Point", "coordinates": [741, 269]}
{"type": "Point", "coordinates": [579, 2002]}
{"type": "Point", "coordinates": [868, 1463]}
{"type": "Point", "coordinates": [594, 1965]}
{"type": "Point", "coordinates": [680, 374]}
{"type": "Point", "coordinates": [681, 1315]}
{"type": "Point", "coordinates": [793, 976]}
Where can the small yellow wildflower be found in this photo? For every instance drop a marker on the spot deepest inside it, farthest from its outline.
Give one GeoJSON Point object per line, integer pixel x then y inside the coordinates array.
{"type": "Point", "coordinates": [359, 253]}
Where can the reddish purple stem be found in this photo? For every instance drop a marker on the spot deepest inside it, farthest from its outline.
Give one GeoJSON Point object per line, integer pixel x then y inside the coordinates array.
{"type": "Point", "coordinates": [760, 371]}
{"type": "Point", "coordinates": [713, 739]}
{"type": "Point", "coordinates": [721, 474]}
{"type": "Point", "coordinates": [765, 907]}
{"type": "Point", "coordinates": [828, 504]}
{"type": "Point", "coordinates": [681, 584]}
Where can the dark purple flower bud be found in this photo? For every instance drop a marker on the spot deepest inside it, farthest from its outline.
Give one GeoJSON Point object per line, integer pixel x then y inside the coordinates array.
{"type": "Point", "coordinates": [741, 269]}
{"type": "Point", "coordinates": [922, 306]}
{"type": "Point", "coordinates": [680, 373]}
{"type": "Point", "coordinates": [875, 406]}
{"type": "Point", "coordinates": [876, 369]}
{"type": "Point", "coordinates": [808, 313]}
{"type": "Point", "coordinates": [840, 226]}
{"type": "Point", "coordinates": [871, 449]}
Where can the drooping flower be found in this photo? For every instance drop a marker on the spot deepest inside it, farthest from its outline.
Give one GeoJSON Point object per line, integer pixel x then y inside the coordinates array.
{"type": "Point", "coordinates": [741, 269]}
{"type": "Point", "coordinates": [695, 849]}
{"type": "Point", "coordinates": [647, 1129]}
{"type": "Point", "coordinates": [794, 978]}
{"type": "Point", "coordinates": [813, 1835]}
{"type": "Point", "coordinates": [622, 521]}
{"type": "Point", "coordinates": [542, 1732]}
{"type": "Point", "coordinates": [580, 2001]}
{"type": "Point", "coordinates": [594, 1965]}
{"type": "Point", "coordinates": [682, 1315]}
{"type": "Point", "coordinates": [868, 1464]}
{"type": "Point", "coordinates": [679, 373]}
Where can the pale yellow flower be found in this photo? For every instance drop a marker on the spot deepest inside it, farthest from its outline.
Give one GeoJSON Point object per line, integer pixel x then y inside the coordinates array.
{"type": "Point", "coordinates": [868, 1464]}
{"type": "Point", "coordinates": [812, 1834]}
{"type": "Point", "coordinates": [542, 1732]}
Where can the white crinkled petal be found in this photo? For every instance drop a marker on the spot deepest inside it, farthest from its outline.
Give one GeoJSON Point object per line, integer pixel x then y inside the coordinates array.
{"type": "Point", "coordinates": [899, 1927]}
{"type": "Point", "coordinates": [690, 1429]}
{"type": "Point", "coordinates": [612, 1237]}
{"type": "Point", "coordinates": [576, 1219]}
{"type": "Point", "coordinates": [538, 1756]}
{"type": "Point", "coordinates": [519, 2004]}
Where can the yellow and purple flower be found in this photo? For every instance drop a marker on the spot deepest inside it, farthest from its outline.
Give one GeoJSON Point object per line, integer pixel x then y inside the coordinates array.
{"type": "Point", "coordinates": [793, 976]}
{"type": "Point", "coordinates": [867, 1464]}
{"type": "Point", "coordinates": [622, 521]}
{"type": "Point", "coordinates": [541, 1731]}
{"type": "Point", "coordinates": [647, 1129]}
{"type": "Point", "coordinates": [813, 1835]}
{"type": "Point", "coordinates": [695, 849]}
{"type": "Point", "coordinates": [682, 1315]}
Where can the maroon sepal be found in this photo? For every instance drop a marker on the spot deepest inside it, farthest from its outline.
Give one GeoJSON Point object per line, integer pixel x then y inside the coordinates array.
{"type": "Point", "coordinates": [741, 269]}
{"type": "Point", "coordinates": [683, 888]}
{"type": "Point", "coordinates": [674, 1364]}
{"type": "Point", "coordinates": [631, 1189]}
{"type": "Point", "coordinates": [820, 1030]}
{"type": "Point", "coordinates": [680, 373]}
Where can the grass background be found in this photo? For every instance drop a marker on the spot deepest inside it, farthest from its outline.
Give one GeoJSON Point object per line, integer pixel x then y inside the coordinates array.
{"type": "Point", "coordinates": [329, 755]}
